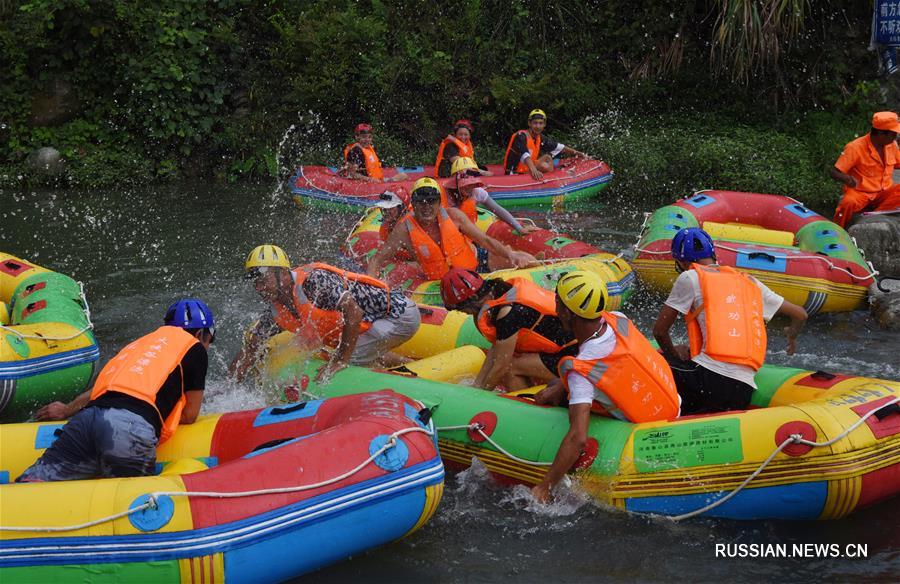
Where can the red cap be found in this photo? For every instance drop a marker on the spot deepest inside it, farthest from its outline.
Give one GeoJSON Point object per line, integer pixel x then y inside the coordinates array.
{"type": "Point", "coordinates": [360, 128]}
{"type": "Point", "coordinates": [886, 121]}
{"type": "Point", "coordinates": [463, 124]}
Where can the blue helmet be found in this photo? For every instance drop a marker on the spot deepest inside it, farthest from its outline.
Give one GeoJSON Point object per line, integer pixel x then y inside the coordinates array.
{"type": "Point", "coordinates": [190, 313]}
{"type": "Point", "coordinates": [692, 244]}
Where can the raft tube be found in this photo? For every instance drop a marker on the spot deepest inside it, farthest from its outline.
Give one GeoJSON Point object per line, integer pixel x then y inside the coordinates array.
{"type": "Point", "coordinates": [796, 252]}
{"type": "Point", "coordinates": [266, 537]}
{"type": "Point", "coordinates": [47, 347]}
{"type": "Point", "coordinates": [559, 253]}
{"type": "Point", "coordinates": [672, 467]}
{"type": "Point", "coordinates": [572, 180]}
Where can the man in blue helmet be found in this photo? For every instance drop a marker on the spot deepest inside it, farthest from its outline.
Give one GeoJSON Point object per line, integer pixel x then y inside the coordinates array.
{"type": "Point", "coordinates": [137, 401]}
{"type": "Point", "coordinates": [725, 312]}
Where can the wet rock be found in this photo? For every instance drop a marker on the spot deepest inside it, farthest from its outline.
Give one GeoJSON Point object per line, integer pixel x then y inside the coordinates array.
{"type": "Point", "coordinates": [886, 305]}
{"type": "Point", "coordinates": [46, 161]}
{"type": "Point", "coordinates": [879, 237]}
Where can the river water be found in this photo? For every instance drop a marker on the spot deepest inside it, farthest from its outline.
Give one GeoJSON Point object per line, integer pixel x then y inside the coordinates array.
{"type": "Point", "coordinates": [136, 250]}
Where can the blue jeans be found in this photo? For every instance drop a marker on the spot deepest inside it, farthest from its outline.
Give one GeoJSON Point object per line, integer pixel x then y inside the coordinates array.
{"type": "Point", "coordinates": [98, 442]}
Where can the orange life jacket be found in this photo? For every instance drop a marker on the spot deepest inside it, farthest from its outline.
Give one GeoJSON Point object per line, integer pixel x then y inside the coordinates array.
{"type": "Point", "coordinates": [373, 165]}
{"type": "Point", "coordinates": [467, 206]}
{"type": "Point", "coordinates": [455, 250]}
{"type": "Point", "coordinates": [327, 325]}
{"type": "Point", "coordinates": [465, 151]}
{"type": "Point", "coordinates": [733, 307]}
{"type": "Point", "coordinates": [142, 367]}
{"type": "Point", "coordinates": [635, 377]}
{"type": "Point", "coordinates": [527, 294]}
{"type": "Point", "coordinates": [534, 146]}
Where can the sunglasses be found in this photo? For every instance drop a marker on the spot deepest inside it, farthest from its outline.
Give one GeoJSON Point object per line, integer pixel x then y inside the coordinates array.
{"type": "Point", "coordinates": [255, 273]}
{"type": "Point", "coordinates": [429, 200]}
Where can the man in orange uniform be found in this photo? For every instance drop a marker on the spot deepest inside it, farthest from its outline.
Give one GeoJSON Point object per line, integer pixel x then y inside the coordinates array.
{"type": "Point", "coordinates": [138, 400]}
{"type": "Point", "coordinates": [866, 169]}
{"type": "Point", "coordinates": [532, 151]}
{"type": "Point", "coordinates": [360, 160]}
{"type": "Point", "coordinates": [441, 239]}
{"type": "Point", "coordinates": [359, 316]}
{"type": "Point", "coordinates": [725, 311]}
{"type": "Point", "coordinates": [617, 372]}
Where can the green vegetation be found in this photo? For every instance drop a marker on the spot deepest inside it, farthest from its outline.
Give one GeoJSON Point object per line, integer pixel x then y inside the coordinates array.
{"type": "Point", "coordinates": [755, 94]}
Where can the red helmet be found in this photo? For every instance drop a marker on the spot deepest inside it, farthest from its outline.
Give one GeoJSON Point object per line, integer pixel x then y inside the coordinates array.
{"type": "Point", "coordinates": [463, 124]}
{"type": "Point", "coordinates": [360, 128]}
{"type": "Point", "coordinates": [459, 285]}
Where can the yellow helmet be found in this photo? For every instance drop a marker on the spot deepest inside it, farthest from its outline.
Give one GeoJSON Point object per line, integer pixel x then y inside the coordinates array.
{"type": "Point", "coordinates": [537, 113]}
{"type": "Point", "coordinates": [426, 182]}
{"type": "Point", "coordinates": [584, 293]}
{"type": "Point", "coordinates": [463, 163]}
{"type": "Point", "coordinates": [267, 256]}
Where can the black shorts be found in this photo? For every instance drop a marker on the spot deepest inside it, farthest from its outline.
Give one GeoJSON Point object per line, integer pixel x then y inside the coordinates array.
{"type": "Point", "coordinates": [703, 391]}
{"type": "Point", "coordinates": [551, 360]}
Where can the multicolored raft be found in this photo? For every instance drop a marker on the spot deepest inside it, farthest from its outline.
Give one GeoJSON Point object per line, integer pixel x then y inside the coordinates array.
{"type": "Point", "coordinates": [796, 252]}
{"type": "Point", "coordinates": [573, 180]}
{"type": "Point", "coordinates": [254, 496]}
{"type": "Point", "coordinates": [47, 347]}
{"type": "Point", "coordinates": [676, 467]}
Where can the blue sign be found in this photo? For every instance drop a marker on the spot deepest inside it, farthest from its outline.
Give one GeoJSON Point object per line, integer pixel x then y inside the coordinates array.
{"type": "Point", "coordinates": [886, 22]}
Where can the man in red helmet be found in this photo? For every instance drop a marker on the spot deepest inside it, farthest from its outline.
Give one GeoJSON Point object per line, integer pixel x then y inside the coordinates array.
{"type": "Point", "coordinates": [360, 160]}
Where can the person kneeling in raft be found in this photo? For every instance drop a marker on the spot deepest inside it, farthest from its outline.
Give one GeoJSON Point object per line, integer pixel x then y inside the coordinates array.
{"type": "Point", "coordinates": [359, 315]}
{"type": "Point", "coordinates": [469, 192]}
{"type": "Point", "coordinates": [616, 373]}
{"type": "Point", "coordinates": [139, 399]}
{"type": "Point", "coordinates": [440, 239]}
{"type": "Point", "coordinates": [519, 318]}
{"type": "Point", "coordinates": [725, 311]}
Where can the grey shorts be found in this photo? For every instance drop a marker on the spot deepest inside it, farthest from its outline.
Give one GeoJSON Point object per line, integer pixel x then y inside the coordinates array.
{"type": "Point", "coordinates": [98, 442]}
{"type": "Point", "coordinates": [385, 334]}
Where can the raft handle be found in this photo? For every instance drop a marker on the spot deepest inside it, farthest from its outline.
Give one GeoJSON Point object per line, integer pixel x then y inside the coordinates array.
{"type": "Point", "coordinates": [823, 375]}
{"type": "Point", "coordinates": [288, 409]}
{"type": "Point", "coordinates": [271, 444]}
{"type": "Point", "coordinates": [884, 412]}
{"type": "Point", "coordinates": [761, 254]}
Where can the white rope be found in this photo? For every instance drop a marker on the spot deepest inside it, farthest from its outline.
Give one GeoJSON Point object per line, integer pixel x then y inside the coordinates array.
{"type": "Point", "coordinates": [84, 329]}
{"type": "Point", "coordinates": [478, 427]}
{"type": "Point", "coordinates": [793, 438]}
{"type": "Point", "coordinates": [870, 274]}
{"type": "Point", "coordinates": [153, 497]}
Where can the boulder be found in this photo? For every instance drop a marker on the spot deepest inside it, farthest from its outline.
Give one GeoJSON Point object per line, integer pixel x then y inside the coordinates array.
{"type": "Point", "coordinates": [46, 161]}
{"type": "Point", "coordinates": [886, 305]}
{"type": "Point", "coordinates": [879, 237]}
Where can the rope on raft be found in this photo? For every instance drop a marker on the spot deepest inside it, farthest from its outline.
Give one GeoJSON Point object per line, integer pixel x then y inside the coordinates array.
{"type": "Point", "coordinates": [89, 326]}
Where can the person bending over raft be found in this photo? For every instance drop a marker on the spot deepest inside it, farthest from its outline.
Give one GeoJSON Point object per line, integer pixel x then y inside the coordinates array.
{"type": "Point", "coordinates": [138, 400]}
{"type": "Point", "coordinates": [469, 192]}
{"type": "Point", "coordinates": [532, 151]}
{"type": "Point", "coordinates": [359, 315]}
{"type": "Point", "coordinates": [616, 373]}
{"type": "Point", "coordinates": [519, 318]}
{"type": "Point", "coordinates": [866, 168]}
{"type": "Point", "coordinates": [441, 239]}
{"type": "Point", "coordinates": [457, 144]}
{"type": "Point", "coordinates": [725, 311]}
{"type": "Point", "coordinates": [360, 160]}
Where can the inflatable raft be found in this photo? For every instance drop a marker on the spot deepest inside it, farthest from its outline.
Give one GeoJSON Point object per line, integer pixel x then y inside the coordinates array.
{"type": "Point", "coordinates": [559, 254]}
{"type": "Point", "coordinates": [254, 496]}
{"type": "Point", "coordinates": [795, 251]}
{"type": "Point", "coordinates": [573, 180]}
{"type": "Point", "coordinates": [47, 347]}
{"type": "Point", "coordinates": [676, 468]}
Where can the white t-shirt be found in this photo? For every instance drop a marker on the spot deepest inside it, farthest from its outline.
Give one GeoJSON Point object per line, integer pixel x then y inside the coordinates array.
{"type": "Point", "coordinates": [481, 196]}
{"type": "Point", "coordinates": [686, 296]}
{"type": "Point", "coordinates": [582, 391]}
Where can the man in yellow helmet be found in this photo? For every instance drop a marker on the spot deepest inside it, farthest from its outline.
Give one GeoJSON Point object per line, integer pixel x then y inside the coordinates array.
{"type": "Point", "coordinates": [441, 239]}
{"type": "Point", "coordinates": [617, 372]}
{"type": "Point", "coordinates": [359, 316]}
{"type": "Point", "coordinates": [532, 151]}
